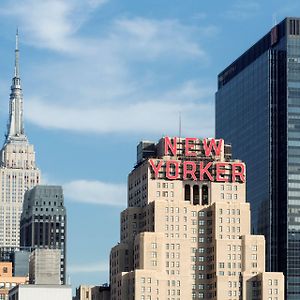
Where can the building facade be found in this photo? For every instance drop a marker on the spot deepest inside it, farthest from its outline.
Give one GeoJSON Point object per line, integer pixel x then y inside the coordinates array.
{"type": "Point", "coordinates": [18, 170]}
{"type": "Point", "coordinates": [44, 266]}
{"type": "Point", "coordinates": [20, 262]}
{"type": "Point", "coordinates": [38, 292]}
{"type": "Point", "coordinates": [8, 281]}
{"type": "Point", "coordinates": [258, 112]}
{"type": "Point", "coordinates": [44, 221]}
{"type": "Point", "coordinates": [91, 292]}
{"type": "Point", "coordinates": [186, 231]}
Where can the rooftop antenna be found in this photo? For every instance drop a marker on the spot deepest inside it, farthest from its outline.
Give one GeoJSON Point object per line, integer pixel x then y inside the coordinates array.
{"type": "Point", "coordinates": [17, 54]}
{"type": "Point", "coordinates": [274, 19]}
{"type": "Point", "coordinates": [179, 126]}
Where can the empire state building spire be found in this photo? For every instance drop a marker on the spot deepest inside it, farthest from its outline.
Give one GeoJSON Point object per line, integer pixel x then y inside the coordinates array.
{"type": "Point", "coordinates": [18, 170]}
{"type": "Point", "coordinates": [15, 130]}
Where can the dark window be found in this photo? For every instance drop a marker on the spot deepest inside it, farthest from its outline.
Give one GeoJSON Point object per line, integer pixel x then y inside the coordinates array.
{"type": "Point", "coordinates": [187, 192]}
{"type": "Point", "coordinates": [196, 198]}
{"type": "Point", "coordinates": [204, 195]}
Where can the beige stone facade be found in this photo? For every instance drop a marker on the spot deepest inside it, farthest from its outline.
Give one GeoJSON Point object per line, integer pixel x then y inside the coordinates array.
{"type": "Point", "coordinates": [186, 238]}
{"type": "Point", "coordinates": [91, 292]}
{"type": "Point", "coordinates": [18, 173]}
{"type": "Point", "coordinates": [7, 280]}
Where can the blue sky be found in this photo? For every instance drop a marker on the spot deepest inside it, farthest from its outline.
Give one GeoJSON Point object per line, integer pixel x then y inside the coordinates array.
{"type": "Point", "coordinates": [98, 76]}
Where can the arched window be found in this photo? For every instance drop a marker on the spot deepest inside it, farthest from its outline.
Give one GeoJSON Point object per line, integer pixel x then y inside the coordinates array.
{"type": "Point", "coordinates": [187, 192]}
{"type": "Point", "coordinates": [196, 196]}
{"type": "Point", "coordinates": [204, 195]}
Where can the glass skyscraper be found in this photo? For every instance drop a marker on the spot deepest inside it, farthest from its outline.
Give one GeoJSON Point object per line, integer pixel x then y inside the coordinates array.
{"type": "Point", "coordinates": [258, 112]}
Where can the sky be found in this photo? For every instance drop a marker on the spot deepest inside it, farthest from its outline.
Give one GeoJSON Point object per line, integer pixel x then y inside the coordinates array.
{"type": "Point", "coordinates": [98, 76]}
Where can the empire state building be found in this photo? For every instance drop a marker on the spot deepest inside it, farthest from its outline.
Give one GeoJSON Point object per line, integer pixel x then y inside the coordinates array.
{"type": "Point", "coordinates": [18, 170]}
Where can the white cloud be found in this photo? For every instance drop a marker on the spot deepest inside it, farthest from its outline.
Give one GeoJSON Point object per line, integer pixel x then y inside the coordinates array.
{"type": "Point", "coordinates": [152, 38]}
{"type": "Point", "coordinates": [89, 267]}
{"type": "Point", "coordinates": [96, 192]}
{"type": "Point", "coordinates": [51, 23]}
{"type": "Point", "coordinates": [113, 81]}
{"type": "Point", "coordinates": [159, 116]}
{"type": "Point", "coordinates": [242, 10]}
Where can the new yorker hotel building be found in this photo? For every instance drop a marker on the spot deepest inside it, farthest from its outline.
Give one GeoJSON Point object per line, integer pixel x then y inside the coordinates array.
{"type": "Point", "coordinates": [186, 231]}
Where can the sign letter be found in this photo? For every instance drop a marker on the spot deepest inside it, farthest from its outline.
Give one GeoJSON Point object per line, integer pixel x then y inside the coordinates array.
{"type": "Point", "coordinates": [187, 171]}
{"type": "Point", "coordinates": [238, 170]}
{"type": "Point", "coordinates": [204, 170]}
{"type": "Point", "coordinates": [155, 168]}
{"type": "Point", "coordinates": [212, 146]}
{"type": "Point", "coordinates": [168, 169]}
{"type": "Point", "coordinates": [220, 171]}
{"type": "Point", "coordinates": [189, 146]}
{"type": "Point", "coordinates": [168, 145]}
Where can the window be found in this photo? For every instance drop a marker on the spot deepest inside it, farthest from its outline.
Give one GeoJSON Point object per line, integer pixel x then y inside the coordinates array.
{"type": "Point", "coordinates": [196, 197]}
{"type": "Point", "coordinates": [204, 195]}
{"type": "Point", "coordinates": [270, 281]}
{"type": "Point", "coordinates": [187, 192]}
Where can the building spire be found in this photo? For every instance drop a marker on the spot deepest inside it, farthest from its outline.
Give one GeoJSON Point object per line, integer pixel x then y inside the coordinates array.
{"type": "Point", "coordinates": [17, 69]}
{"type": "Point", "coordinates": [15, 127]}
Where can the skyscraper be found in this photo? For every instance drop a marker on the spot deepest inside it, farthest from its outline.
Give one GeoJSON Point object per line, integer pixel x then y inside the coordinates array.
{"type": "Point", "coordinates": [43, 222]}
{"type": "Point", "coordinates": [18, 170]}
{"type": "Point", "coordinates": [186, 231]}
{"type": "Point", "coordinates": [258, 112]}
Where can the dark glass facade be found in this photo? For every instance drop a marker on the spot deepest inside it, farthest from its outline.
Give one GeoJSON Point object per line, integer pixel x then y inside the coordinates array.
{"type": "Point", "coordinates": [258, 112]}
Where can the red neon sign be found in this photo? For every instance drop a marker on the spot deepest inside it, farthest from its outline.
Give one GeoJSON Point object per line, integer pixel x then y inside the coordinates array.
{"type": "Point", "coordinates": [197, 170]}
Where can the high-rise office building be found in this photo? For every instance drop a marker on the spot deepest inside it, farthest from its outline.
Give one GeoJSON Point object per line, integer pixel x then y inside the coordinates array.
{"type": "Point", "coordinates": [186, 231]}
{"type": "Point", "coordinates": [43, 221]}
{"type": "Point", "coordinates": [18, 170]}
{"type": "Point", "coordinates": [258, 112]}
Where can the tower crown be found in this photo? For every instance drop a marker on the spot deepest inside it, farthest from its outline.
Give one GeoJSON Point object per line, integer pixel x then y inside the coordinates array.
{"type": "Point", "coordinates": [15, 126]}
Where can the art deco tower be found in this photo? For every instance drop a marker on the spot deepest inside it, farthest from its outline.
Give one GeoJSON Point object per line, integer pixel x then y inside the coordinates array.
{"type": "Point", "coordinates": [18, 171]}
{"type": "Point", "coordinates": [186, 231]}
